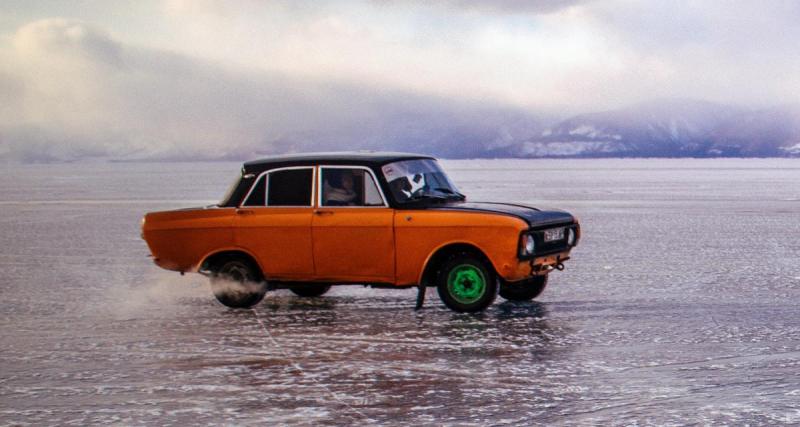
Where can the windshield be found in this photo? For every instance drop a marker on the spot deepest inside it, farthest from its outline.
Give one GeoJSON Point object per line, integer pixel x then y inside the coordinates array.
{"type": "Point", "coordinates": [412, 180]}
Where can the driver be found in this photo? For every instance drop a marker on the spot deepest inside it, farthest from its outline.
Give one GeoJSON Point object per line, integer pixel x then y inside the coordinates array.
{"type": "Point", "coordinates": [340, 192]}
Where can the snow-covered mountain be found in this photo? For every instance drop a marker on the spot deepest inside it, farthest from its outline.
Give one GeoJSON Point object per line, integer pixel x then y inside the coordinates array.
{"type": "Point", "coordinates": [768, 132]}
{"type": "Point", "coordinates": [671, 128]}
{"type": "Point", "coordinates": [457, 129]}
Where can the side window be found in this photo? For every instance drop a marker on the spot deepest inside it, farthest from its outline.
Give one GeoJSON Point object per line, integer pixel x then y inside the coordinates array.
{"type": "Point", "coordinates": [349, 187]}
{"type": "Point", "coordinates": [290, 187]}
{"type": "Point", "coordinates": [257, 196]}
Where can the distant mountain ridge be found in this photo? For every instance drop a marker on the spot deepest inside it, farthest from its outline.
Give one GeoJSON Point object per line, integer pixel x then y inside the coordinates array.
{"type": "Point", "coordinates": [671, 128]}
{"type": "Point", "coordinates": [455, 129]}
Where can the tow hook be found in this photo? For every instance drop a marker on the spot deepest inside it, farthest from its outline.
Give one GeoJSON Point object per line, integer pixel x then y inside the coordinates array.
{"type": "Point", "coordinates": [560, 266]}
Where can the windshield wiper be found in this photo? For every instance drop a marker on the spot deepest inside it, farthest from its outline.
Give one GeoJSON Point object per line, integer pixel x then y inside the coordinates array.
{"type": "Point", "coordinates": [456, 195]}
{"type": "Point", "coordinates": [421, 196]}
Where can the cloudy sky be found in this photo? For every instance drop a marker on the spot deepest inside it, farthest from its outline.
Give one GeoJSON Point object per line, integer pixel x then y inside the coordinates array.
{"type": "Point", "coordinates": [213, 78]}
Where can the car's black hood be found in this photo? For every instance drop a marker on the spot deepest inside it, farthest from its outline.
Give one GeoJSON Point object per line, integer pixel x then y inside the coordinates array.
{"type": "Point", "coordinates": [534, 217]}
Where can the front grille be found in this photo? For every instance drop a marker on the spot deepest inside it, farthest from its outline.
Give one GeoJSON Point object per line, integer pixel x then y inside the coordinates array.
{"type": "Point", "coordinates": [546, 248]}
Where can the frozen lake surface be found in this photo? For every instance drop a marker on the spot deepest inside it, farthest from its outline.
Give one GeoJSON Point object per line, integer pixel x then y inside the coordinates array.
{"type": "Point", "coordinates": [680, 306]}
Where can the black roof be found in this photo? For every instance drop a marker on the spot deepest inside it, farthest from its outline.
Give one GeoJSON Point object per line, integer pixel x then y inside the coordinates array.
{"type": "Point", "coordinates": [365, 158]}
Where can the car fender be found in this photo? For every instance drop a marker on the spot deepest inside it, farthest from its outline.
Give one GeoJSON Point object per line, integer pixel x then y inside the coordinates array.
{"type": "Point", "coordinates": [216, 251]}
{"type": "Point", "coordinates": [473, 245]}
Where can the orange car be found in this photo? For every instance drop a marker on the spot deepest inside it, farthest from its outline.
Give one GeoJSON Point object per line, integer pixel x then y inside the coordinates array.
{"type": "Point", "coordinates": [307, 222]}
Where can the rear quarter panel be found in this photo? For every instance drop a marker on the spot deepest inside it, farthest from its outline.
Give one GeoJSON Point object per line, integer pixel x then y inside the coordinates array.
{"type": "Point", "coordinates": [180, 240]}
{"type": "Point", "coordinates": [420, 233]}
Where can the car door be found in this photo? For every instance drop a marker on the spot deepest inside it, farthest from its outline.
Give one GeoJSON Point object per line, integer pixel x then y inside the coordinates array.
{"type": "Point", "coordinates": [352, 227]}
{"type": "Point", "coordinates": [274, 222]}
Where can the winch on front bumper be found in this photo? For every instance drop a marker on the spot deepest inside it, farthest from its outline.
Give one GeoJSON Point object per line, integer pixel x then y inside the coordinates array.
{"type": "Point", "coordinates": [525, 269]}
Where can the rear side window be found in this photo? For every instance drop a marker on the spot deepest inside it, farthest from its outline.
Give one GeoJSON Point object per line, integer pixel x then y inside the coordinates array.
{"type": "Point", "coordinates": [291, 187]}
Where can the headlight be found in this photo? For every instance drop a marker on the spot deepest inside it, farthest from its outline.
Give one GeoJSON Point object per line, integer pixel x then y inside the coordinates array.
{"type": "Point", "coordinates": [571, 237]}
{"type": "Point", "coordinates": [528, 244]}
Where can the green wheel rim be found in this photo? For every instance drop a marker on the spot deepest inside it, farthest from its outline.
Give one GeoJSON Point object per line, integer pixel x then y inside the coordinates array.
{"type": "Point", "coordinates": [466, 283]}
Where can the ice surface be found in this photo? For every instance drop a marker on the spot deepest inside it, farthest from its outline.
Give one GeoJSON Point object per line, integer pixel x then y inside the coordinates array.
{"type": "Point", "coordinates": [678, 307]}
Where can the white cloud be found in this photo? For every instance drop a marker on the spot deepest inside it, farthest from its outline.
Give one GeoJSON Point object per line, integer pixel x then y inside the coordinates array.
{"type": "Point", "coordinates": [570, 55]}
{"type": "Point", "coordinates": [222, 78]}
{"type": "Point", "coordinates": [87, 93]}
{"type": "Point", "coordinates": [76, 92]}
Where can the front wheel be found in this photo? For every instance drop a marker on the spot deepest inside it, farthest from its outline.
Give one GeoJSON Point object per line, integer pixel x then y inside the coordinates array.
{"type": "Point", "coordinates": [237, 283]}
{"type": "Point", "coordinates": [466, 283]}
{"type": "Point", "coordinates": [524, 290]}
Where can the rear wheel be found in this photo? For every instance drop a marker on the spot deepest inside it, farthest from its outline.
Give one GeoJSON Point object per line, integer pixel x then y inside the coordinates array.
{"type": "Point", "coordinates": [237, 283]}
{"type": "Point", "coordinates": [524, 290]}
{"type": "Point", "coordinates": [310, 291]}
{"type": "Point", "coordinates": [466, 283]}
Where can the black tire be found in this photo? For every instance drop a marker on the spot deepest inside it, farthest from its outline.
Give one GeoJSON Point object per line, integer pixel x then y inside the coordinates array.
{"type": "Point", "coordinates": [237, 283]}
{"type": "Point", "coordinates": [310, 291]}
{"type": "Point", "coordinates": [524, 290]}
{"type": "Point", "coordinates": [466, 283]}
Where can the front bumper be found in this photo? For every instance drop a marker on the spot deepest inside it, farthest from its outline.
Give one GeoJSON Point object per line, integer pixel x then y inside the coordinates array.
{"type": "Point", "coordinates": [539, 266]}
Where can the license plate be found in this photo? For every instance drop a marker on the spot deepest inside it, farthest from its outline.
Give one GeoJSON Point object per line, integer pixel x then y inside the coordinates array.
{"type": "Point", "coordinates": [553, 234]}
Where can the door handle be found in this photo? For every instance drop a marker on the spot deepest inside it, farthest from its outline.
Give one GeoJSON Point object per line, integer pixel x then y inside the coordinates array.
{"type": "Point", "coordinates": [321, 212]}
{"type": "Point", "coordinates": [244, 212]}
